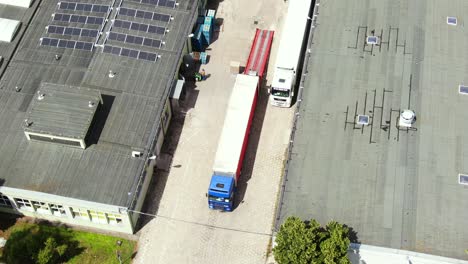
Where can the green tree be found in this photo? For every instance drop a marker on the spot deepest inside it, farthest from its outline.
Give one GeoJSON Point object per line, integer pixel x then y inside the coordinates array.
{"type": "Point", "coordinates": [334, 247]}
{"type": "Point", "coordinates": [298, 242]}
{"type": "Point", "coordinates": [51, 253]}
{"type": "Point", "coordinates": [37, 244]}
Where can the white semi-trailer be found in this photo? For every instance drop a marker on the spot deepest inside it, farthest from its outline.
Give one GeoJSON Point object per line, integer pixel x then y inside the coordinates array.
{"type": "Point", "coordinates": [289, 52]}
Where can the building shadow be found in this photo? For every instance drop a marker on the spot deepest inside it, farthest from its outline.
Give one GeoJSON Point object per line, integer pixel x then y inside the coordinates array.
{"type": "Point", "coordinates": [160, 175]}
{"type": "Point", "coordinates": [99, 120]}
{"type": "Point", "coordinates": [252, 146]}
{"type": "Point", "coordinates": [213, 4]}
{"type": "Point", "coordinates": [353, 235]}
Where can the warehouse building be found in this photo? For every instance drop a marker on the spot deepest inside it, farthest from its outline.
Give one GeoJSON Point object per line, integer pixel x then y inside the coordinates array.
{"type": "Point", "coordinates": [84, 105]}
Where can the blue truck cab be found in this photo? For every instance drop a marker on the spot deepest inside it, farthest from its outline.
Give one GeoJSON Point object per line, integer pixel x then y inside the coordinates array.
{"type": "Point", "coordinates": [221, 193]}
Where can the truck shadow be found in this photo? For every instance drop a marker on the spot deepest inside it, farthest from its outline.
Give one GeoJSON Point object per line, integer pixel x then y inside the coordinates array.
{"type": "Point", "coordinates": [171, 141]}
{"type": "Point", "coordinates": [252, 146]}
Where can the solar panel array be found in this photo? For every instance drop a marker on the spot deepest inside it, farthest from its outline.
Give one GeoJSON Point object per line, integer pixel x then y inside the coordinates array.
{"type": "Point", "coordinates": [83, 7]}
{"type": "Point", "coordinates": [72, 31]}
{"type": "Point", "coordinates": [78, 19]}
{"type": "Point", "coordinates": [165, 3]}
{"type": "Point", "coordinates": [136, 54]}
{"type": "Point", "coordinates": [149, 42]}
{"type": "Point", "coordinates": [140, 27]}
{"type": "Point", "coordinates": [144, 14]}
{"type": "Point", "coordinates": [68, 44]}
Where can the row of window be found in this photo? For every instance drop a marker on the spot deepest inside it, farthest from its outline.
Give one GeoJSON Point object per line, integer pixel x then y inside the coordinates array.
{"type": "Point", "coordinates": [59, 210]}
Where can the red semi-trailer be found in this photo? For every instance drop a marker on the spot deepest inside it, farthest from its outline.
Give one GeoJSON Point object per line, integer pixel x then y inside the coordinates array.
{"type": "Point", "coordinates": [235, 134]}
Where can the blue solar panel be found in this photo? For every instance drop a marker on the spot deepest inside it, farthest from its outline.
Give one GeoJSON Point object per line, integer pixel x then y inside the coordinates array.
{"type": "Point", "coordinates": [131, 53]}
{"type": "Point", "coordinates": [69, 44]}
{"type": "Point", "coordinates": [131, 39]}
{"type": "Point", "coordinates": [78, 19]}
{"type": "Point", "coordinates": [139, 27]}
{"type": "Point", "coordinates": [144, 14]}
{"type": "Point", "coordinates": [452, 20]}
{"type": "Point", "coordinates": [164, 3]}
{"type": "Point", "coordinates": [363, 119]}
{"type": "Point", "coordinates": [463, 89]}
{"type": "Point", "coordinates": [72, 31]}
{"type": "Point", "coordinates": [83, 7]}
{"type": "Point", "coordinates": [463, 179]}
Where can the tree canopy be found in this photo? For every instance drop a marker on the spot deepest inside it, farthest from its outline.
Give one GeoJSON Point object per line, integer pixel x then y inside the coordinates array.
{"type": "Point", "coordinates": [307, 242]}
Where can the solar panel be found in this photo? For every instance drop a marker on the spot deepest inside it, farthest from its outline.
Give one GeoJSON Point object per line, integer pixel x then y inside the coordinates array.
{"type": "Point", "coordinates": [131, 39]}
{"type": "Point", "coordinates": [362, 120]}
{"type": "Point", "coordinates": [463, 89]}
{"type": "Point", "coordinates": [78, 19]}
{"type": "Point", "coordinates": [72, 31]}
{"type": "Point", "coordinates": [452, 21]}
{"type": "Point", "coordinates": [463, 179]}
{"type": "Point", "coordinates": [144, 14]}
{"type": "Point", "coordinates": [164, 3]}
{"type": "Point", "coordinates": [139, 27]}
{"type": "Point", "coordinates": [131, 53]}
{"type": "Point", "coordinates": [68, 44]}
{"type": "Point", "coordinates": [83, 7]}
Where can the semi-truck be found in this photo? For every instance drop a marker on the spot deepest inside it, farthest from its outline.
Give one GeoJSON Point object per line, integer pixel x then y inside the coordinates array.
{"type": "Point", "coordinates": [232, 144]}
{"type": "Point", "coordinates": [289, 53]}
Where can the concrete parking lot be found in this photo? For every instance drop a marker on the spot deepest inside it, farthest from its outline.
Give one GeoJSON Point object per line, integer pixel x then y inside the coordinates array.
{"type": "Point", "coordinates": [185, 230]}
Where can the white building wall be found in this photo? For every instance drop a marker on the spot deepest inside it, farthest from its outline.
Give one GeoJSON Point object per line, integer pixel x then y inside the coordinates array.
{"type": "Point", "coordinates": [366, 254]}
{"type": "Point", "coordinates": [67, 210]}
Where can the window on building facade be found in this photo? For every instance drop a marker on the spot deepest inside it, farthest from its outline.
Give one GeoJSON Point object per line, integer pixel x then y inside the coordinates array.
{"type": "Point", "coordinates": [57, 210]}
{"type": "Point", "coordinates": [80, 213]}
{"type": "Point", "coordinates": [98, 217]}
{"type": "Point", "coordinates": [24, 204]}
{"type": "Point", "coordinates": [4, 201]}
{"type": "Point", "coordinates": [114, 218]}
{"type": "Point", "coordinates": [41, 207]}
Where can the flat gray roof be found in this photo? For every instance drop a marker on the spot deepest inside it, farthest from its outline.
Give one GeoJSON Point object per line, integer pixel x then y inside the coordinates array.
{"type": "Point", "coordinates": [133, 100]}
{"type": "Point", "coordinates": [395, 188]}
{"type": "Point", "coordinates": [60, 110]}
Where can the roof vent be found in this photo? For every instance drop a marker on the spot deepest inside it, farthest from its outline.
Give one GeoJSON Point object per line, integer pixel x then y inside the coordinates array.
{"type": "Point", "coordinates": [137, 154]}
{"type": "Point", "coordinates": [362, 120]}
{"type": "Point", "coordinates": [17, 89]}
{"type": "Point", "coordinates": [27, 123]}
{"type": "Point", "coordinates": [407, 118]}
{"type": "Point", "coordinates": [463, 179]}
{"type": "Point", "coordinates": [57, 57]}
{"type": "Point", "coordinates": [462, 89]}
{"type": "Point", "coordinates": [40, 96]}
{"type": "Point", "coordinates": [452, 21]}
{"type": "Point", "coordinates": [372, 40]}
{"type": "Point", "coordinates": [91, 104]}
{"type": "Point", "coordinates": [111, 74]}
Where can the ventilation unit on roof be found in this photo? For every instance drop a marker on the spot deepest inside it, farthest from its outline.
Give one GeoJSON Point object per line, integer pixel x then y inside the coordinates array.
{"type": "Point", "coordinates": [8, 29]}
{"type": "Point", "coordinates": [19, 3]}
{"type": "Point", "coordinates": [452, 21]}
{"type": "Point", "coordinates": [137, 154]}
{"type": "Point", "coordinates": [407, 118]}
{"type": "Point", "coordinates": [362, 120]}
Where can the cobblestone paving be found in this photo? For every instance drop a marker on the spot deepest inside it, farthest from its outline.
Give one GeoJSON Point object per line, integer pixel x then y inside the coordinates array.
{"type": "Point", "coordinates": [186, 231]}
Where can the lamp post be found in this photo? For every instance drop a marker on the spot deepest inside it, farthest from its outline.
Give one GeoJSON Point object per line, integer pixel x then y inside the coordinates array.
{"type": "Point", "coordinates": [119, 254]}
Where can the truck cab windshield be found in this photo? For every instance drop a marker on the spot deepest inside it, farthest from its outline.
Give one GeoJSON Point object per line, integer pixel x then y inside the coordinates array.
{"type": "Point", "coordinates": [218, 199]}
{"type": "Point", "coordinates": [279, 93]}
